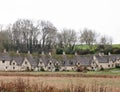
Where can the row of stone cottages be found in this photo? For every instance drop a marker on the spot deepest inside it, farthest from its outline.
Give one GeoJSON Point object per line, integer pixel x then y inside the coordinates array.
{"type": "Point", "coordinates": [48, 63]}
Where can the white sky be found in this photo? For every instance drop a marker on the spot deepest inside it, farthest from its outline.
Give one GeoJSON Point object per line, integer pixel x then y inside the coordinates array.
{"type": "Point", "coordinates": [103, 16]}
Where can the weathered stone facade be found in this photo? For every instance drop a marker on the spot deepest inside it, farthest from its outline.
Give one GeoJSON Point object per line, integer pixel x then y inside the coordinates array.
{"type": "Point", "coordinates": [48, 63]}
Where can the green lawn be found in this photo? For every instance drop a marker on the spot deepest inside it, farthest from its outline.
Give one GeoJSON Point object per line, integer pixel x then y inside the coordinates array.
{"type": "Point", "coordinates": [105, 73]}
{"type": "Point", "coordinates": [115, 71]}
{"type": "Point", "coordinates": [94, 46]}
{"type": "Point", "coordinates": [116, 45]}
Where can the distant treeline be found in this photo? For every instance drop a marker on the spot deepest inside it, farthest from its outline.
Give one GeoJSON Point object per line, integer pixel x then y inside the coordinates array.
{"type": "Point", "coordinates": [36, 36]}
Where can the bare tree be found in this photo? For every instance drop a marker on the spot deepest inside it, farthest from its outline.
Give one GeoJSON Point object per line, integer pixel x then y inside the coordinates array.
{"type": "Point", "coordinates": [51, 38]}
{"type": "Point", "coordinates": [25, 32]}
{"type": "Point", "coordinates": [1, 27]}
{"type": "Point", "coordinates": [17, 32]}
{"type": "Point", "coordinates": [59, 40]}
{"type": "Point", "coordinates": [105, 40]}
{"type": "Point", "coordinates": [110, 40]}
{"type": "Point", "coordinates": [88, 36]}
{"type": "Point", "coordinates": [4, 40]}
{"type": "Point", "coordinates": [48, 34]}
{"type": "Point", "coordinates": [67, 37]}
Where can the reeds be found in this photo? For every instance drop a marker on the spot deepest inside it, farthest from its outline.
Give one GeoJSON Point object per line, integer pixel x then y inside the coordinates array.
{"type": "Point", "coordinates": [22, 85]}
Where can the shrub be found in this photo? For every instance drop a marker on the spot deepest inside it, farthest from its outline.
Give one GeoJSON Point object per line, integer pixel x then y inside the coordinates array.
{"type": "Point", "coordinates": [116, 50]}
{"type": "Point", "coordinates": [81, 69]}
{"type": "Point", "coordinates": [83, 52]}
{"type": "Point", "coordinates": [59, 51]}
{"type": "Point", "coordinates": [42, 69]}
{"type": "Point", "coordinates": [102, 69]}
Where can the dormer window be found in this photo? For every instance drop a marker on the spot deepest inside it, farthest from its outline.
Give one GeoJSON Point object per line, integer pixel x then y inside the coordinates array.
{"type": "Point", "coordinates": [101, 66]}
{"type": "Point", "coordinates": [50, 63]}
{"type": "Point", "coordinates": [3, 61]}
{"type": "Point", "coordinates": [13, 63]}
{"type": "Point", "coordinates": [57, 64]}
{"type": "Point", "coordinates": [40, 62]}
{"type": "Point", "coordinates": [78, 63]}
{"type": "Point", "coordinates": [25, 62]}
{"type": "Point", "coordinates": [112, 65]}
{"type": "Point", "coordinates": [13, 68]}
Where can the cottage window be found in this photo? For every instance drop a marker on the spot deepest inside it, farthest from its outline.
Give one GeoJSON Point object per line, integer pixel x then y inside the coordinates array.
{"type": "Point", "coordinates": [40, 62]}
{"type": "Point", "coordinates": [57, 64]}
{"type": "Point", "coordinates": [108, 65]}
{"type": "Point", "coordinates": [101, 66]}
{"type": "Point", "coordinates": [92, 67]}
{"type": "Point", "coordinates": [3, 61]}
{"type": "Point", "coordinates": [28, 68]}
{"type": "Point", "coordinates": [6, 67]}
{"type": "Point", "coordinates": [13, 63]}
{"type": "Point", "coordinates": [49, 67]}
{"type": "Point", "coordinates": [26, 62]}
{"type": "Point", "coordinates": [13, 67]}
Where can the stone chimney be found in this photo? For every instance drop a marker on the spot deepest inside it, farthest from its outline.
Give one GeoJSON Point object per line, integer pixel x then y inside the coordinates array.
{"type": "Point", "coordinates": [100, 54]}
{"type": "Point", "coordinates": [76, 54]}
{"type": "Point", "coordinates": [43, 53]}
{"type": "Point", "coordinates": [94, 57]}
{"type": "Point", "coordinates": [49, 53]}
{"type": "Point", "coordinates": [109, 54]}
{"type": "Point", "coordinates": [103, 54]}
{"type": "Point", "coordinates": [64, 53]}
{"type": "Point", "coordinates": [17, 52]}
{"type": "Point", "coordinates": [4, 51]}
{"type": "Point", "coordinates": [29, 52]}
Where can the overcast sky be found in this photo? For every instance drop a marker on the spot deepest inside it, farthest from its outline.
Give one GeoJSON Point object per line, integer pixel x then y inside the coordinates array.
{"type": "Point", "coordinates": [102, 16]}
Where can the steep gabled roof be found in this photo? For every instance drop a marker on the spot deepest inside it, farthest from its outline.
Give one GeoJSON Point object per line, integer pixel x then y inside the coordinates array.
{"type": "Point", "coordinates": [83, 60]}
{"type": "Point", "coordinates": [5, 56]}
{"type": "Point", "coordinates": [117, 56]}
{"type": "Point", "coordinates": [53, 60]}
{"type": "Point", "coordinates": [112, 58]}
{"type": "Point", "coordinates": [33, 61]}
{"type": "Point", "coordinates": [44, 59]}
{"type": "Point", "coordinates": [65, 61]}
{"type": "Point", "coordinates": [18, 60]}
{"type": "Point", "coordinates": [72, 62]}
{"type": "Point", "coordinates": [102, 59]}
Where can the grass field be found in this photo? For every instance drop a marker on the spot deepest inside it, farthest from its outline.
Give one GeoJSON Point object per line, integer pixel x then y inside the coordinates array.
{"type": "Point", "coordinates": [59, 82]}
{"type": "Point", "coordinates": [83, 47]}
{"type": "Point", "coordinates": [108, 73]}
{"type": "Point", "coordinates": [116, 45]}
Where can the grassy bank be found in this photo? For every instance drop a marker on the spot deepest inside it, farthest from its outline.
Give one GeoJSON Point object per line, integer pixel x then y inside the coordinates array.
{"type": "Point", "coordinates": [101, 74]}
